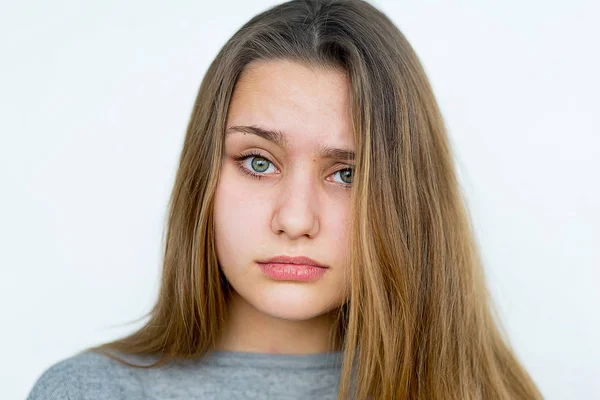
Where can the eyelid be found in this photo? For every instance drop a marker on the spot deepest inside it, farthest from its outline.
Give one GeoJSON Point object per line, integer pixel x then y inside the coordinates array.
{"type": "Point", "coordinates": [252, 153]}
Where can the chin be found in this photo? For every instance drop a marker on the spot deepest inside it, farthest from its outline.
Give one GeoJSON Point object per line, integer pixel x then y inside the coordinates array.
{"type": "Point", "coordinates": [297, 304]}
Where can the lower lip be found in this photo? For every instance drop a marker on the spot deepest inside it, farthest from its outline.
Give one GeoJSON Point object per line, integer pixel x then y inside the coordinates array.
{"type": "Point", "coordinates": [292, 272]}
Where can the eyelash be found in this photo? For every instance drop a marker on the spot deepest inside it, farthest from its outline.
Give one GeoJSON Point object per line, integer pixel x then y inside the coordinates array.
{"type": "Point", "coordinates": [243, 156]}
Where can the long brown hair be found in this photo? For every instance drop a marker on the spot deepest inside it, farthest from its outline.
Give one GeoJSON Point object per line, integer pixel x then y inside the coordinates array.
{"type": "Point", "coordinates": [419, 323]}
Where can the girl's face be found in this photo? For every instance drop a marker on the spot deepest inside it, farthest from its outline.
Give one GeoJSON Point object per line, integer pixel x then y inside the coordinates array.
{"type": "Point", "coordinates": [281, 195]}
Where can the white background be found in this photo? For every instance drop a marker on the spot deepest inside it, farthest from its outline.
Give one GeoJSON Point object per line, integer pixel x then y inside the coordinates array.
{"type": "Point", "coordinates": [95, 97]}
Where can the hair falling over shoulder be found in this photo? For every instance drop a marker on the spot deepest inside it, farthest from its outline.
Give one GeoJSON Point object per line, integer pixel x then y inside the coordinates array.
{"type": "Point", "coordinates": [420, 323]}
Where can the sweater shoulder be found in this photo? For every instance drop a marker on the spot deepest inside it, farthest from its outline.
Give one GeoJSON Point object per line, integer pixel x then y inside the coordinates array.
{"type": "Point", "coordinates": [87, 375]}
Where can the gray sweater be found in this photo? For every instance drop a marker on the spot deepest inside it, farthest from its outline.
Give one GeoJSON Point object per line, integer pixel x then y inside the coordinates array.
{"type": "Point", "coordinates": [220, 375]}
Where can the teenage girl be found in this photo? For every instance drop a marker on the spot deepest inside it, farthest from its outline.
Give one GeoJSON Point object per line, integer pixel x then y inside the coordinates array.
{"type": "Point", "coordinates": [318, 244]}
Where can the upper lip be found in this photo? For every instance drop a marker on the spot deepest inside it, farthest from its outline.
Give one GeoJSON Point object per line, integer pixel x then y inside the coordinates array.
{"type": "Point", "coordinates": [293, 260]}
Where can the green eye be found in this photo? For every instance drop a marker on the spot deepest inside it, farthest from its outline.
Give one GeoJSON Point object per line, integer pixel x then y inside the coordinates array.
{"type": "Point", "coordinates": [346, 175]}
{"type": "Point", "coordinates": [257, 166]}
{"type": "Point", "coordinates": [260, 164]}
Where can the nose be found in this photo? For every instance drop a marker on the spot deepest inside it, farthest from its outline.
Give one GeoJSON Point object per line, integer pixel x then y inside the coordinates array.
{"type": "Point", "coordinates": [296, 211]}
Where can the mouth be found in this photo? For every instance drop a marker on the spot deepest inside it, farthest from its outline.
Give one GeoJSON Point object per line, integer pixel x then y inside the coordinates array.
{"type": "Point", "coordinates": [284, 268]}
{"type": "Point", "coordinates": [305, 261]}
{"type": "Point", "coordinates": [292, 272]}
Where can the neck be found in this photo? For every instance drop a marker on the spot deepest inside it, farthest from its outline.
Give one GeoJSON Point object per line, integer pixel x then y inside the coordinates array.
{"type": "Point", "coordinates": [249, 330]}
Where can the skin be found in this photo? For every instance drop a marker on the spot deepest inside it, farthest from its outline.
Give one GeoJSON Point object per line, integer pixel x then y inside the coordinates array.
{"type": "Point", "coordinates": [299, 207]}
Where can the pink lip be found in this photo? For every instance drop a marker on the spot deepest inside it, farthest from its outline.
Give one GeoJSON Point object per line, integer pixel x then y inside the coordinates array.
{"type": "Point", "coordinates": [292, 260]}
{"type": "Point", "coordinates": [284, 268]}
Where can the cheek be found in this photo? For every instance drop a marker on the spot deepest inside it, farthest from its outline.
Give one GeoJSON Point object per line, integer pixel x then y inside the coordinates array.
{"type": "Point", "coordinates": [238, 213]}
{"type": "Point", "coordinates": [338, 220]}
{"type": "Point", "coordinates": [342, 231]}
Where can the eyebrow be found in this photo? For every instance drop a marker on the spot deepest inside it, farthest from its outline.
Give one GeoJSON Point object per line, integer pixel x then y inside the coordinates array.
{"type": "Point", "coordinates": [281, 140]}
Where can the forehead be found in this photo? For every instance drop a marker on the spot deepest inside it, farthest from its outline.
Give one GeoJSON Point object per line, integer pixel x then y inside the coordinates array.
{"type": "Point", "coordinates": [308, 104]}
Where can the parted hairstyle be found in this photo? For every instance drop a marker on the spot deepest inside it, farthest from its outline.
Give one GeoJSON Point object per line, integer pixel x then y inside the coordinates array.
{"type": "Point", "coordinates": [419, 322]}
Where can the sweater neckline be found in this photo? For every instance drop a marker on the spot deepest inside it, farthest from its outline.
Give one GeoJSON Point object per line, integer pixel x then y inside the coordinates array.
{"type": "Point", "coordinates": [274, 360]}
